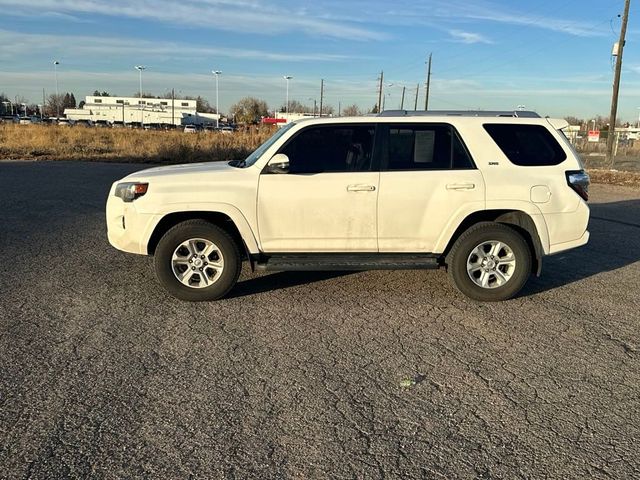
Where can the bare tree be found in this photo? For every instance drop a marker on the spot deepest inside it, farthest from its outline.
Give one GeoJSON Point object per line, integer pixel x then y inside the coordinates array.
{"type": "Point", "coordinates": [203, 105]}
{"type": "Point", "coordinates": [249, 110]}
{"type": "Point", "coordinates": [351, 111]}
{"type": "Point", "coordinates": [54, 104]}
{"type": "Point", "coordinates": [296, 107]}
{"type": "Point", "coordinates": [327, 110]}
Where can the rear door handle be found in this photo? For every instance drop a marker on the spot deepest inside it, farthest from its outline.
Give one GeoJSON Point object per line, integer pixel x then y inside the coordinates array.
{"type": "Point", "coordinates": [461, 186]}
{"type": "Point", "coordinates": [360, 188]}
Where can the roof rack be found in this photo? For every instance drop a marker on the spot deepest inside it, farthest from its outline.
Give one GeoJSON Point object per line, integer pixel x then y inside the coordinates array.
{"type": "Point", "coordinates": [459, 113]}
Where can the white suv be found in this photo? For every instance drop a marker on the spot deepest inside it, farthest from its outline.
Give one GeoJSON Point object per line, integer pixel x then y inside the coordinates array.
{"type": "Point", "coordinates": [484, 194]}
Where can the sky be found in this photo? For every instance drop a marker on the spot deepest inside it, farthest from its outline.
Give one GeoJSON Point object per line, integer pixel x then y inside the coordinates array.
{"type": "Point", "coordinates": [550, 56]}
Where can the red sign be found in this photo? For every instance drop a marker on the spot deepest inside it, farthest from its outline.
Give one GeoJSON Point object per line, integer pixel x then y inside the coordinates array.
{"type": "Point", "coordinates": [594, 135]}
{"type": "Point", "coordinates": [273, 121]}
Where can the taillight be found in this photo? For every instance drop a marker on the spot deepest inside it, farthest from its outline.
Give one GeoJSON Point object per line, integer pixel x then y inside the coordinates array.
{"type": "Point", "coordinates": [579, 180]}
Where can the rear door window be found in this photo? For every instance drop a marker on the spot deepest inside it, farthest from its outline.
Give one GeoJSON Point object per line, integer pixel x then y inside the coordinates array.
{"type": "Point", "coordinates": [425, 147]}
{"type": "Point", "coordinates": [527, 145]}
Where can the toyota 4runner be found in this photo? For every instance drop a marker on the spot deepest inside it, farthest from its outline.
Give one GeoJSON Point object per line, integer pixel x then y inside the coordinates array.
{"type": "Point", "coordinates": [484, 194]}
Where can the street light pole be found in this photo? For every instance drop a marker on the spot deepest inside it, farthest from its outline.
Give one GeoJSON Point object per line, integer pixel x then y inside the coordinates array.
{"type": "Point", "coordinates": [287, 78]}
{"type": "Point", "coordinates": [140, 68]}
{"type": "Point", "coordinates": [217, 74]}
{"type": "Point", "coordinates": [55, 74]}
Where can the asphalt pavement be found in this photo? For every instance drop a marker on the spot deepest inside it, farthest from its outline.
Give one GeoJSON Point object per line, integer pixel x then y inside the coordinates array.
{"type": "Point", "coordinates": [306, 375]}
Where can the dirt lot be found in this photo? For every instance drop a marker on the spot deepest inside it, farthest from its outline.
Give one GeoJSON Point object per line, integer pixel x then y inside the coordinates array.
{"type": "Point", "coordinates": [297, 375]}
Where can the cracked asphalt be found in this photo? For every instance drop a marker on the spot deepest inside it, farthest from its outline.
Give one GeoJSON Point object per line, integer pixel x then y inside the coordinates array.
{"type": "Point", "coordinates": [298, 375]}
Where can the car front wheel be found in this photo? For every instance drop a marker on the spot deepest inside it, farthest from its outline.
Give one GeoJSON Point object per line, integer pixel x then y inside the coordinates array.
{"type": "Point", "coordinates": [490, 262]}
{"type": "Point", "coordinates": [197, 261]}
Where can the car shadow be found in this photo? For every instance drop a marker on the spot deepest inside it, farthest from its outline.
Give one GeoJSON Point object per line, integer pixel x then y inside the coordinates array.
{"type": "Point", "coordinates": [614, 243]}
{"type": "Point", "coordinates": [280, 280]}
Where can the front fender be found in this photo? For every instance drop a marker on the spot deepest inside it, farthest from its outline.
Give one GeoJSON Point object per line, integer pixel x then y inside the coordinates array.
{"type": "Point", "coordinates": [238, 218]}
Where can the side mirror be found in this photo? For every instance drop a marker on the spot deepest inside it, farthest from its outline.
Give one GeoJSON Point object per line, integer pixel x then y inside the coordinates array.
{"type": "Point", "coordinates": [279, 163]}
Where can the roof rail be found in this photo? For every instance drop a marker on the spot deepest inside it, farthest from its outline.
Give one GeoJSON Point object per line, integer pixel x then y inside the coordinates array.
{"type": "Point", "coordinates": [459, 113]}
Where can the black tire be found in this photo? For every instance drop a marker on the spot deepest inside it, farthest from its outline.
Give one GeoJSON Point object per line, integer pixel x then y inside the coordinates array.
{"type": "Point", "coordinates": [197, 229]}
{"type": "Point", "coordinates": [461, 252]}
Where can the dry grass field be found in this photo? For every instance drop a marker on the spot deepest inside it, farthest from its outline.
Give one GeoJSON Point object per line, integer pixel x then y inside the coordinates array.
{"type": "Point", "coordinates": [615, 177]}
{"type": "Point", "coordinates": [40, 142]}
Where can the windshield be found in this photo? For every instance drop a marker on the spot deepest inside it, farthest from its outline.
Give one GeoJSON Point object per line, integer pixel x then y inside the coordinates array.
{"type": "Point", "coordinates": [253, 158]}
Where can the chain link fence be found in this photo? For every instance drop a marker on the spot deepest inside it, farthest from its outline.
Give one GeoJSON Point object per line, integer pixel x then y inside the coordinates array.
{"type": "Point", "coordinates": [594, 154]}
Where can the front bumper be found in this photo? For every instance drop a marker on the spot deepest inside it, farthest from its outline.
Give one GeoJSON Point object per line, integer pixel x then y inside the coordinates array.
{"type": "Point", "coordinates": [127, 229]}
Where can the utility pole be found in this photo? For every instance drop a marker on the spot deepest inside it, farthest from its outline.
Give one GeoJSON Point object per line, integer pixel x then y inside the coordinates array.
{"type": "Point", "coordinates": [402, 101]}
{"type": "Point", "coordinates": [173, 107]}
{"type": "Point", "coordinates": [44, 102]}
{"type": "Point", "coordinates": [380, 92]}
{"type": "Point", "coordinates": [415, 105]}
{"type": "Point", "coordinates": [55, 74]}
{"type": "Point", "coordinates": [339, 109]}
{"type": "Point", "coordinates": [616, 85]}
{"type": "Point", "coordinates": [426, 98]}
{"type": "Point", "coordinates": [321, 94]}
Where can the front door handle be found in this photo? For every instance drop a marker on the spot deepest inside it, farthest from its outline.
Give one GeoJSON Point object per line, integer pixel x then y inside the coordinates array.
{"type": "Point", "coordinates": [360, 188]}
{"type": "Point", "coordinates": [461, 186]}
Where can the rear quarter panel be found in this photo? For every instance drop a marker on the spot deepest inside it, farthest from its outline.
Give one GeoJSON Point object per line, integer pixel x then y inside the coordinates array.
{"type": "Point", "coordinates": [511, 187]}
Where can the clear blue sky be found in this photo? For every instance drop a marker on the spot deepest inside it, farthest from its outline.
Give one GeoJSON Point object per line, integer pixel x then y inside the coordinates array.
{"type": "Point", "coordinates": [552, 56]}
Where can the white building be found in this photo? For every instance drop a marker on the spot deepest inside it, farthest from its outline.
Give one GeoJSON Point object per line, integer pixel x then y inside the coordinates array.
{"type": "Point", "coordinates": [133, 110]}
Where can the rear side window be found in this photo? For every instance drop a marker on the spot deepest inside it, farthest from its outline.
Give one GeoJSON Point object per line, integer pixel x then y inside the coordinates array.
{"type": "Point", "coordinates": [527, 145]}
{"type": "Point", "coordinates": [425, 147]}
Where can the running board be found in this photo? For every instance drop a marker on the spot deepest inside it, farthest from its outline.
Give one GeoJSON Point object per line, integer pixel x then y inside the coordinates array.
{"type": "Point", "coordinates": [343, 262]}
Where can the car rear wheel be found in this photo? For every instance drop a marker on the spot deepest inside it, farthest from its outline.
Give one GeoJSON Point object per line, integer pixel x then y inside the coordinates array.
{"type": "Point", "coordinates": [197, 261]}
{"type": "Point", "coordinates": [490, 262]}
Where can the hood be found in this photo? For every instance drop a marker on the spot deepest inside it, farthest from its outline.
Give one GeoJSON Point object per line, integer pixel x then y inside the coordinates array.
{"type": "Point", "coordinates": [184, 169]}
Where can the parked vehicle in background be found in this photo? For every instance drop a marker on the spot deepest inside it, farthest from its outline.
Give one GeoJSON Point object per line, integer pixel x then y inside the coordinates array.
{"type": "Point", "coordinates": [485, 195]}
{"type": "Point", "coordinates": [84, 123]}
{"type": "Point", "coordinates": [190, 129]}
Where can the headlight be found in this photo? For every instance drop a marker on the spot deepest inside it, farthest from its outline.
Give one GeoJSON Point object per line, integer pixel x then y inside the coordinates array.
{"type": "Point", "coordinates": [129, 191]}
